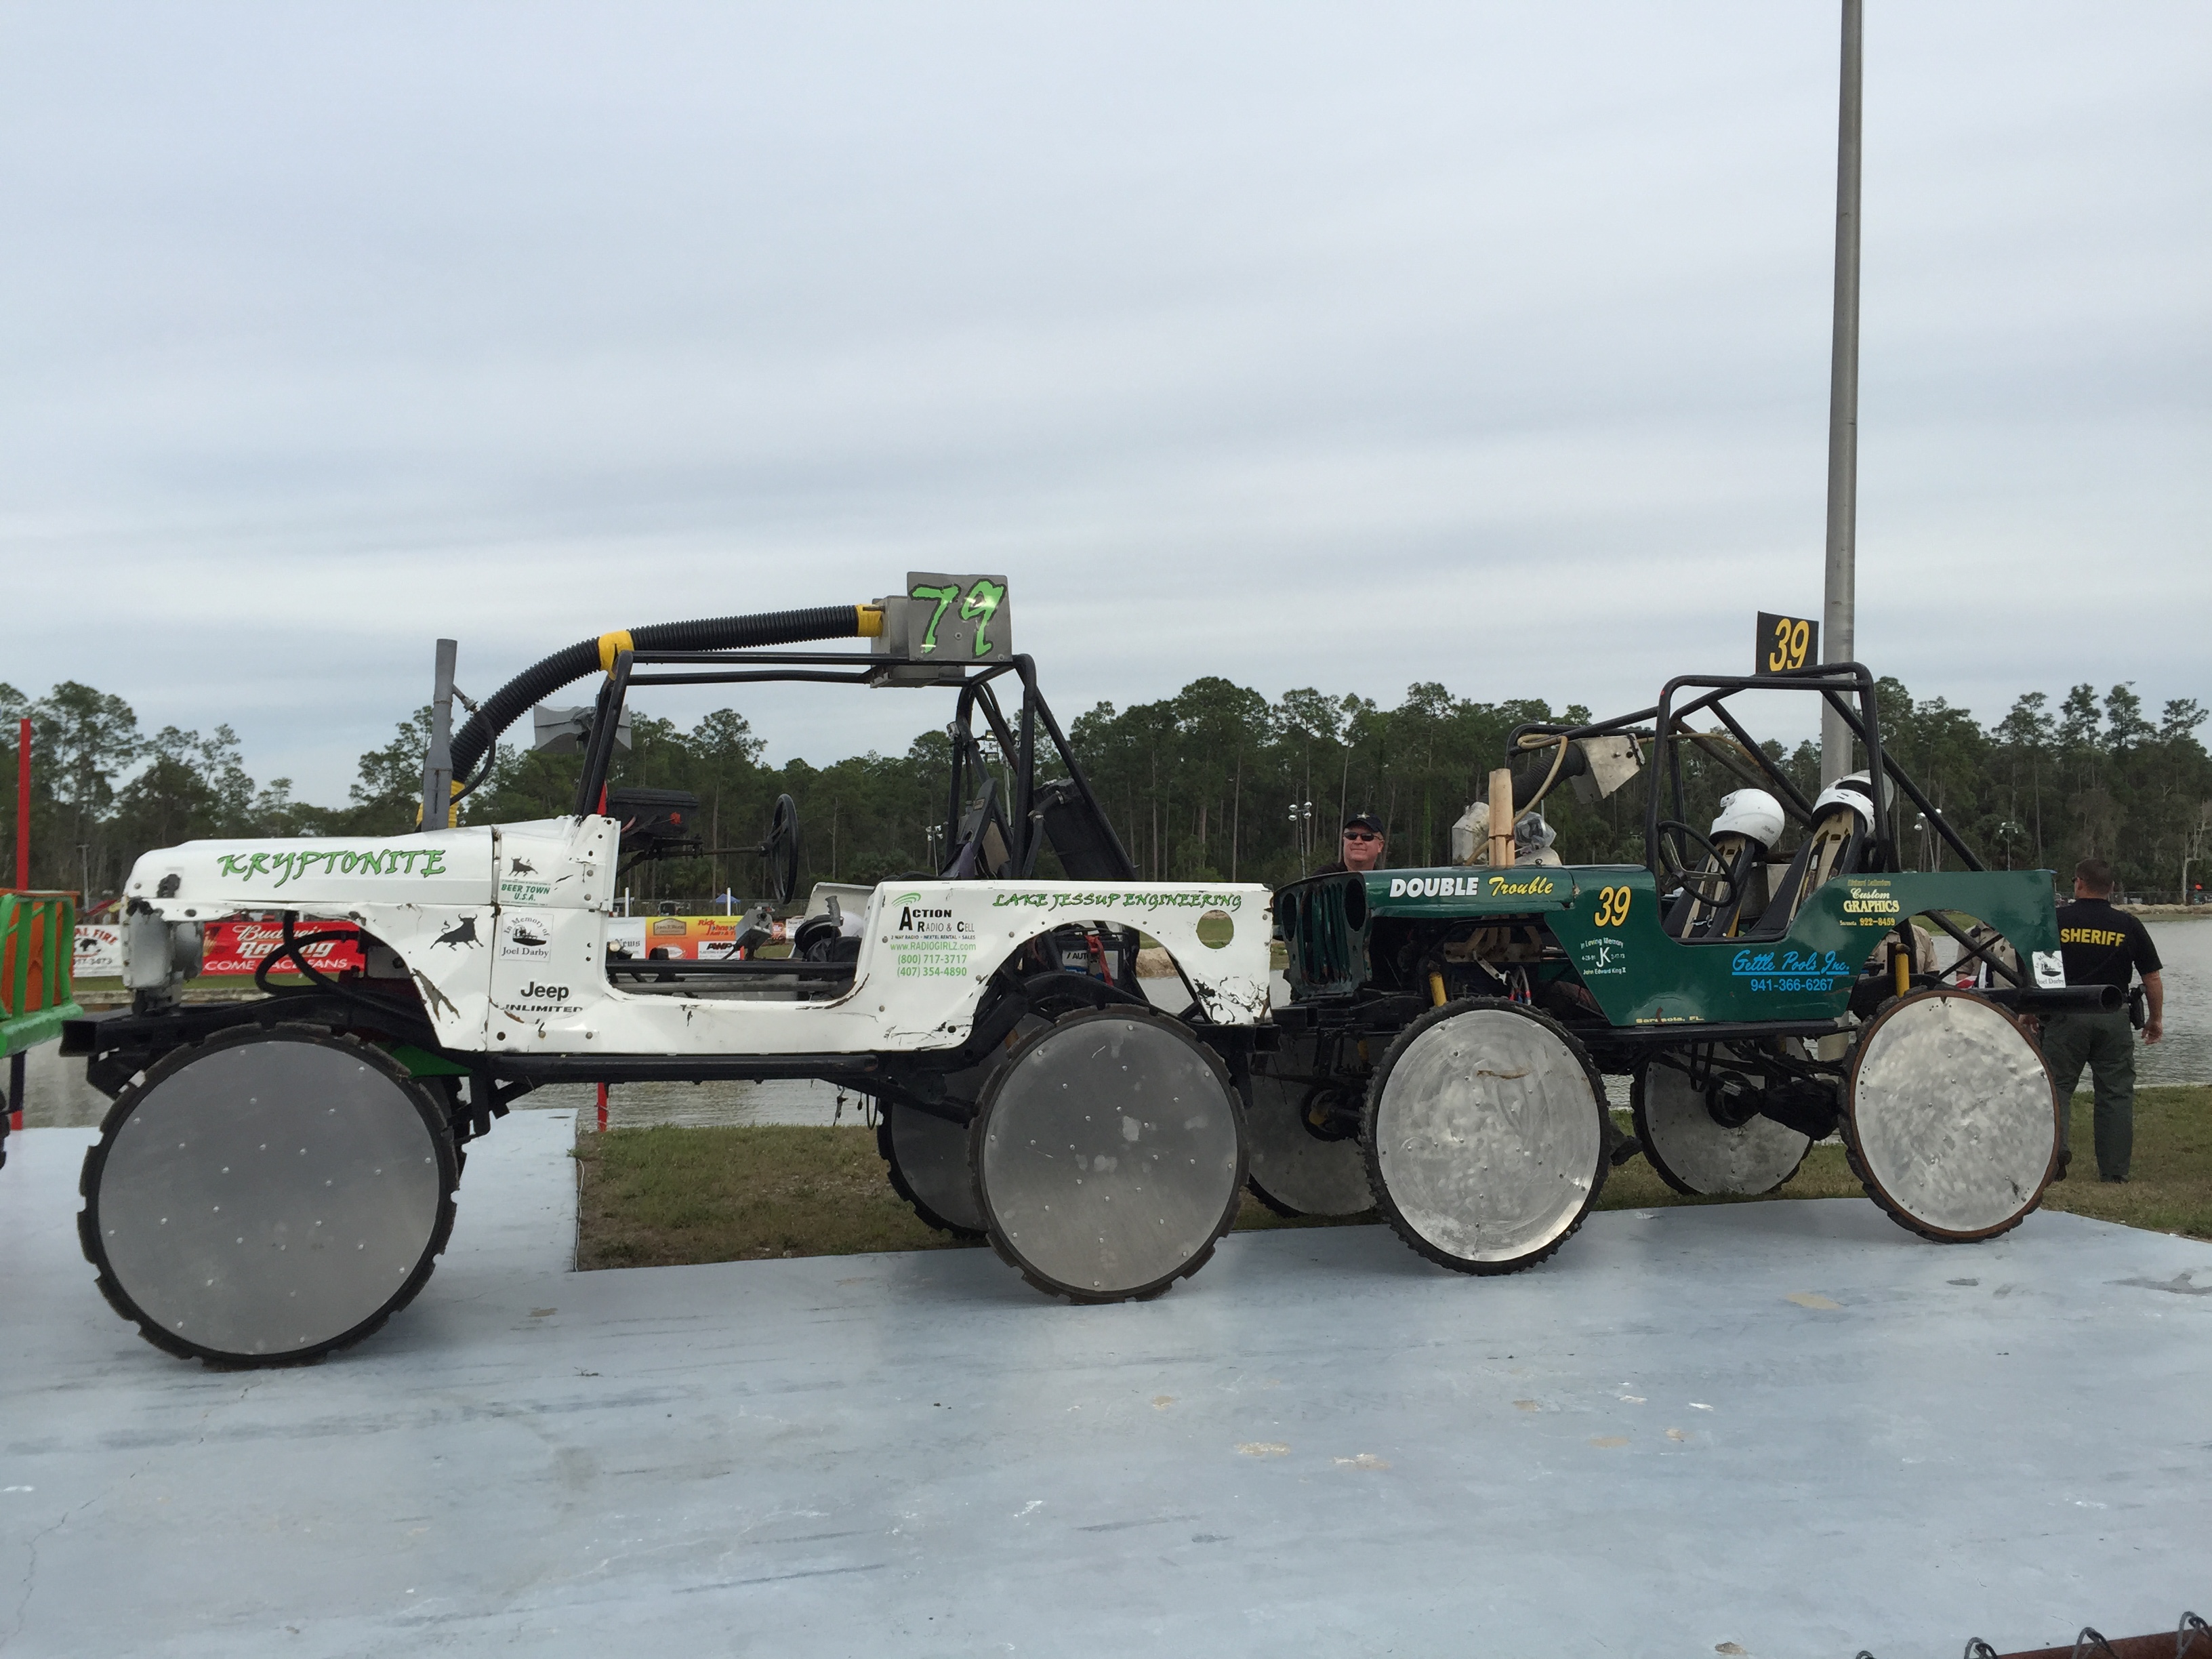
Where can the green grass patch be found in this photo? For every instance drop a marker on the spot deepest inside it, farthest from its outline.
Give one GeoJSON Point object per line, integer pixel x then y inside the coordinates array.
{"type": "Point", "coordinates": [668, 1197]}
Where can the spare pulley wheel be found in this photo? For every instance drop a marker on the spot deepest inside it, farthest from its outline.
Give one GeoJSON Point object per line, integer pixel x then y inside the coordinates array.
{"type": "Point", "coordinates": [1951, 1117]}
{"type": "Point", "coordinates": [1297, 1169]}
{"type": "Point", "coordinates": [1109, 1155]}
{"type": "Point", "coordinates": [268, 1196]}
{"type": "Point", "coordinates": [1695, 1152]}
{"type": "Point", "coordinates": [1486, 1136]}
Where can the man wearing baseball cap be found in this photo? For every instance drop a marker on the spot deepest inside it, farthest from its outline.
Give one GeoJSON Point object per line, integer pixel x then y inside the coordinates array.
{"type": "Point", "coordinates": [1361, 848]}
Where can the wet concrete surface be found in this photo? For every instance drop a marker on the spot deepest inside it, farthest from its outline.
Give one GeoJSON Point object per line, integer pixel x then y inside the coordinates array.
{"type": "Point", "coordinates": [1789, 1427]}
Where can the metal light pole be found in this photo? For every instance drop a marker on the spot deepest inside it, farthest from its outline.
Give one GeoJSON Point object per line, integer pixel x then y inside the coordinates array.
{"type": "Point", "coordinates": [1838, 594]}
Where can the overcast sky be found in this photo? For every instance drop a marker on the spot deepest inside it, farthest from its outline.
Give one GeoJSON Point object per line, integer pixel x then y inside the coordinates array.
{"type": "Point", "coordinates": [1343, 346]}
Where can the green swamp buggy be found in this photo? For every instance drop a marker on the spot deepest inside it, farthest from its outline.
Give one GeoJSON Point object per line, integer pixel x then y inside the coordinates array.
{"type": "Point", "coordinates": [1764, 982]}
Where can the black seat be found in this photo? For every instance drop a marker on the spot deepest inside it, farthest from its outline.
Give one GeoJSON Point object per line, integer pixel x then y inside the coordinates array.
{"type": "Point", "coordinates": [1835, 843]}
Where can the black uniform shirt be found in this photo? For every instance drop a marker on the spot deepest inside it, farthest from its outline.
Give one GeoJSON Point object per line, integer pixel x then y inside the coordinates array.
{"type": "Point", "coordinates": [2102, 945]}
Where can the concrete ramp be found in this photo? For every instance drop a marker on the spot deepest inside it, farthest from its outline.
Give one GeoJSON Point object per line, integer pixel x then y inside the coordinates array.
{"type": "Point", "coordinates": [1787, 1426]}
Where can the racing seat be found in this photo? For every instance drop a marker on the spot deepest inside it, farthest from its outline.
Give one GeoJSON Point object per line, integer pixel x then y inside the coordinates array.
{"type": "Point", "coordinates": [1717, 897]}
{"type": "Point", "coordinates": [983, 849]}
{"type": "Point", "coordinates": [1835, 843]}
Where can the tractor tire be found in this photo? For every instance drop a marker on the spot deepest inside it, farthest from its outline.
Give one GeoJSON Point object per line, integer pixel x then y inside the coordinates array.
{"type": "Point", "coordinates": [1109, 1155]}
{"type": "Point", "coordinates": [1487, 1136]}
{"type": "Point", "coordinates": [269, 1196]}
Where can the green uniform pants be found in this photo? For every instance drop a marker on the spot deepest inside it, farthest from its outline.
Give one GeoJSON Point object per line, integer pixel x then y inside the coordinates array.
{"type": "Point", "coordinates": [2106, 1042]}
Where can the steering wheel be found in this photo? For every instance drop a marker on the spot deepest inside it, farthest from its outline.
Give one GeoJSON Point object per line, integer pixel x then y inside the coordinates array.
{"type": "Point", "coordinates": [1675, 868]}
{"type": "Point", "coordinates": [780, 854]}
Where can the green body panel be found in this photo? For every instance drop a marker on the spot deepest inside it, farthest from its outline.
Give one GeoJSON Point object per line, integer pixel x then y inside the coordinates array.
{"type": "Point", "coordinates": [1608, 918]}
{"type": "Point", "coordinates": [1639, 975]}
{"type": "Point", "coordinates": [420, 1062]}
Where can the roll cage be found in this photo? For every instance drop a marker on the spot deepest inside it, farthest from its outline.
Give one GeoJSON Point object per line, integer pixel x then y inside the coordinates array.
{"type": "Point", "coordinates": [1662, 733]}
{"type": "Point", "coordinates": [983, 836]}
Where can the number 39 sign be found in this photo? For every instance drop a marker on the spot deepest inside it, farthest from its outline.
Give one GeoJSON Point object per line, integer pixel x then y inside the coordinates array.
{"type": "Point", "coordinates": [1785, 642]}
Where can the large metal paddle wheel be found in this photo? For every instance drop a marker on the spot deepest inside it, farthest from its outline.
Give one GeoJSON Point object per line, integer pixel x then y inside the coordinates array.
{"type": "Point", "coordinates": [1304, 1124]}
{"type": "Point", "coordinates": [268, 1196]}
{"type": "Point", "coordinates": [1951, 1117]}
{"type": "Point", "coordinates": [1704, 1129]}
{"type": "Point", "coordinates": [1487, 1136]}
{"type": "Point", "coordinates": [1108, 1155]}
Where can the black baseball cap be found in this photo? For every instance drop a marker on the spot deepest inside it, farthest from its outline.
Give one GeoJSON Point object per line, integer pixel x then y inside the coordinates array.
{"type": "Point", "coordinates": [1363, 821]}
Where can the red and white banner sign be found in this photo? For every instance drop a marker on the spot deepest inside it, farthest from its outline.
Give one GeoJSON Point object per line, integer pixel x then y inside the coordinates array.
{"type": "Point", "coordinates": [240, 947]}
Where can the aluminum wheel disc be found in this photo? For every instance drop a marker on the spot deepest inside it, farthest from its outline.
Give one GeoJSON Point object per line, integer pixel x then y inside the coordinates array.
{"type": "Point", "coordinates": [268, 1198]}
{"type": "Point", "coordinates": [1293, 1168]}
{"type": "Point", "coordinates": [1694, 1154]}
{"type": "Point", "coordinates": [931, 1168]}
{"type": "Point", "coordinates": [1953, 1116]}
{"type": "Point", "coordinates": [1487, 1136]}
{"type": "Point", "coordinates": [1108, 1155]}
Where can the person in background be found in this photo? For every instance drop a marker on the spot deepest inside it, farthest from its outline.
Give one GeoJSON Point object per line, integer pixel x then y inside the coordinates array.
{"type": "Point", "coordinates": [2102, 946]}
{"type": "Point", "coordinates": [1361, 848]}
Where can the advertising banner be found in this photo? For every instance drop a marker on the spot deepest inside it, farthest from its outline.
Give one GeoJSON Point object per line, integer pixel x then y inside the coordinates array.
{"type": "Point", "coordinates": [238, 946]}
{"type": "Point", "coordinates": [674, 939]}
{"type": "Point", "coordinates": [99, 952]}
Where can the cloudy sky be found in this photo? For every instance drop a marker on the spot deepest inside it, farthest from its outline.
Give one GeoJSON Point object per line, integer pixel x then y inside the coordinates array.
{"type": "Point", "coordinates": [1343, 346]}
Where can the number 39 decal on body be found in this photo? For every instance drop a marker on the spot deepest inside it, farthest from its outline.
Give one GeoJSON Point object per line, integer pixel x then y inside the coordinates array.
{"type": "Point", "coordinates": [1612, 907]}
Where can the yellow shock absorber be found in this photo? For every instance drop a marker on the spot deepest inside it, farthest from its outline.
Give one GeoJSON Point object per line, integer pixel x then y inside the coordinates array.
{"type": "Point", "coordinates": [1900, 961]}
{"type": "Point", "coordinates": [1437, 996]}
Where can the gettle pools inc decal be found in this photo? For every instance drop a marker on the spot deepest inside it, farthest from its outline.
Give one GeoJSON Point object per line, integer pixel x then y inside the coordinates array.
{"type": "Point", "coordinates": [1789, 970]}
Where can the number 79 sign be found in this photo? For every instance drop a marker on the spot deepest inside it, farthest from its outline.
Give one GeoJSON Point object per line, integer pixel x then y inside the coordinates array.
{"type": "Point", "coordinates": [1785, 642]}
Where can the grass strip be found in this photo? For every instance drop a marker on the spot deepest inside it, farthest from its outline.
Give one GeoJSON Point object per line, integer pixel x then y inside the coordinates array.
{"type": "Point", "coordinates": [669, 1197]}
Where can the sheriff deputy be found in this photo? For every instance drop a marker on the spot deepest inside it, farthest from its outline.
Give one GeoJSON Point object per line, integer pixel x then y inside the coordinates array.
{"type": "Point", "coordinates": [2102, 946]}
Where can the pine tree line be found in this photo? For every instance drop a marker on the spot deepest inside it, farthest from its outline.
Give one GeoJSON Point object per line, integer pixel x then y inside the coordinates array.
{"type": "Point", "coordinates": [1217, 782]}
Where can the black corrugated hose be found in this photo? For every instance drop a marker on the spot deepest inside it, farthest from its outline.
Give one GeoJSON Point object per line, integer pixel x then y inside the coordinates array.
{"type": "Point", "coordinates": [564, 667]}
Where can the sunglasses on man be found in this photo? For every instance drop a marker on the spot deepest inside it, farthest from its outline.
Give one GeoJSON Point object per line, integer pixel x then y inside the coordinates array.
{"type": "Point", "coordinates": [1361, 835]}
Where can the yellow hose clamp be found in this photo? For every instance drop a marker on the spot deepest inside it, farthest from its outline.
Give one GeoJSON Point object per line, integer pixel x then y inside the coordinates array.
{"type": "Point", "coordinates": [871, 618]}
{"type": "Point", "coordinates": [613, 644]}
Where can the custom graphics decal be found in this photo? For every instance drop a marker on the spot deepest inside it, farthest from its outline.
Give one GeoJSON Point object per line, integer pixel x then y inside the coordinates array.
{"type": "Point", "coordinates": [524, 937]}
{"type": "Point", "coordinates": [287, 867]}
{"type": "Point", "coordinates": [1871, 904]}
{"type": "Point", "coordinates": [928, 941]}
{"type": "Point", "coordinates": [1790, 970]}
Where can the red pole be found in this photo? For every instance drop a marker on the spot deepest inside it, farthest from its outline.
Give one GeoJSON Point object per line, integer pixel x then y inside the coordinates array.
{"type": "Point", "coordinates": [602, 1108]}
{"type": "Point", "coordinates": [23, 807]}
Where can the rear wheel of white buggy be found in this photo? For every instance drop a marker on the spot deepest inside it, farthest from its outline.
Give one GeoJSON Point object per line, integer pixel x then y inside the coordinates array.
{"type": "Point", "coordinates": [268, 1196]}
{"type": "Point", "coordinates": [1487, 1136]}
{"type": "Point", "coordinates": [1298, 1168]}
{"type": "Point", "coordinates": [930, 1168]}
{"type": "Point", "coordinates": [1109, 1155]}
{"type": "Point", "coordinates": [1951, 1117]}
{"type": "Point", "coordinates": [1694, 1152]}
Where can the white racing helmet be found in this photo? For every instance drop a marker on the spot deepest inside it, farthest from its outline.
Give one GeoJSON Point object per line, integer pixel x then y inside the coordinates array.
{"type": "Point", "coordinates": [1752, 813]}
{"type": "Point", "coordinates": [1856, 792]}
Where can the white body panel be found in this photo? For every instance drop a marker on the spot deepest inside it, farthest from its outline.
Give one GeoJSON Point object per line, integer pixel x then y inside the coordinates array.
{"type": "Point", "coordinates": [504, 932]}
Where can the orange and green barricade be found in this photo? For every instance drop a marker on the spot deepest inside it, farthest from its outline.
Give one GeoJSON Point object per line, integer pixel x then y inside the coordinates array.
{"type": "Point", "coordinates": [38, 941]}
